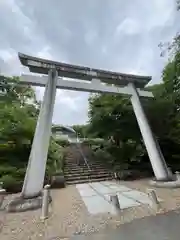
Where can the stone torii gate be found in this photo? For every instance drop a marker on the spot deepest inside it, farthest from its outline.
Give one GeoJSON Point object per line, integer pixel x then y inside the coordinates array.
{"type": "Point", "coordinates": [89, 80]}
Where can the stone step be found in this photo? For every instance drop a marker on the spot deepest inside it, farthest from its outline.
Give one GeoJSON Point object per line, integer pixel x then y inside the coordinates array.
{"type": "Point", "coordinates": [87, 174]}
{"type": "Point", "coordinates": [80, 170]}
{"type": "Point", "coordinates": [80, 177]}
{"type": "Point", "coordinates": [86, 171]}
{"type": "Point", "coordinates": [73, 159]}
{"type": "Point", "coordinates": [82, 162]}
{"type": "Point", "coordinates": [70, 164]}
{"type": "Point", "coordinates": [85, 166]}
{"type": "Point", "coordinates": [88, 180]}
{"type": "Point", "coordinates": [76, 174]}
{"type": "Point", "coordinates": [74, 156]}
{"type": "Point", "coordinates": [77, 155]}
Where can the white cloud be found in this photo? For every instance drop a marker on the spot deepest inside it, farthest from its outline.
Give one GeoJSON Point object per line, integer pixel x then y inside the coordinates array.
{"type": "Point", "coordinates": [128, 26]}
{"type": "Point", "coordinates": [162, 13]}
{"type": "Point", "coordinates": [69, 102]}
{"type": "Point", "coordinates": [45, 53]}
{"type": "Point", "coordinates": [90, 37]}
{"type": "Point", "coordinates": [7, 54]}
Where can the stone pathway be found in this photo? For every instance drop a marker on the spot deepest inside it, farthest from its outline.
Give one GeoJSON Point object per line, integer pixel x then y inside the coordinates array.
{"type": "Point", "coordinates": [96, 196]}
{"type": "Point", "coordinates": [70, 215]}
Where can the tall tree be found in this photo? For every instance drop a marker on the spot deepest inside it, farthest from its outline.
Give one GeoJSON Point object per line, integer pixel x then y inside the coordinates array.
{"type": "Point", "coordinates": [14, 92]}
{"type": "Point", "coordinates": [19, 110]}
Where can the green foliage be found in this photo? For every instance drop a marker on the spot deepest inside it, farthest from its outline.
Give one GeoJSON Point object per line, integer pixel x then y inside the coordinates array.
{"type": "Point", "coordinates": [111, 117]}
{"type": "Point", "coordinates": [103, 155]}
{"type": "Point", "coordinates": [11, 183]}
{"type": "Point", "coordinates": [16, 92]}
{"type": "Point", "coordinates": [94, 141]}
{"type": "Point", "coordinates": [62, 142]}
{"type": "Point", "coordinates": [13, 171]}
{"type": "Point", "coordinates": [18, 117]}
{"type": "Point", "coordinates": [109, 112]}
{"type": "Point", "coordinates": [81, 130]}
{"type": "Point", "coordinates": [56, 157]}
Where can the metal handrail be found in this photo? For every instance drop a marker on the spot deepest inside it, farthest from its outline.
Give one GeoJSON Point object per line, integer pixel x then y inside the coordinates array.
{"type": "Point", "coordinates": [82, 154]}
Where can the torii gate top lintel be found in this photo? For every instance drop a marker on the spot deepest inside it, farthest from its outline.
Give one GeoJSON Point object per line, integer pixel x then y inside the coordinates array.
{"type": "Point", "coordinates": [42, 66]}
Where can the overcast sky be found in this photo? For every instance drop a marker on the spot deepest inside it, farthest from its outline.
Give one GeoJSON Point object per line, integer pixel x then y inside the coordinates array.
{"type": "Point", "coordinates": [110, 34]}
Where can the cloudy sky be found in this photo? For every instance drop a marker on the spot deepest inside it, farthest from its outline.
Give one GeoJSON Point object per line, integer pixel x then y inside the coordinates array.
{"type": "Point", "coordinates": [110, 34]}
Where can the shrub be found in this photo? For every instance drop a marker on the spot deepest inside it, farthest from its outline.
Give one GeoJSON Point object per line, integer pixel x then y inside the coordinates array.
{"type": "Point", "coordinates": [56, 157]}
{"type": "Point", "coordinates": [11, 184]}
{"type": "Point", "coordinates": [20, 173]}
{"type": "Point", "coordinates": [17, 173]}
{"type": "Point", "coordinates": [7, 170]}
{"type": "Point", "coordinates": [62, 142]}
{"type": "Point", "coordinates": [94, 141]}
{"type": "Point", "coordinates": [103, 155]}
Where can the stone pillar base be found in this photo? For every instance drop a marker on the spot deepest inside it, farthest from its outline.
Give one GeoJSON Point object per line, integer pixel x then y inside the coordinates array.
{"type": "Point", "coordinates": [21, 204]}
{"type": "Point", "coordinates": [170, 183]}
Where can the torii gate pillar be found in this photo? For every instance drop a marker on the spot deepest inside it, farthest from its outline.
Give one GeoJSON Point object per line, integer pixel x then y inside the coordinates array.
{"type": "Point", "coordinates": [154, 152]}
{"type": "Point", "coordinates": [34, 178]}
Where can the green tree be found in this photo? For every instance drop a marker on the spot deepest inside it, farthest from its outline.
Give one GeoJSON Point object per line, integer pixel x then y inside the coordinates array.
{"type": "Point", "coordinates": [14, 92]}
{"type": "Point", "coordinates": [18, 116]}
{"type": "Point", "coordinates": [81, 130]}
{"type": "Point", "coordinates": [113, 116]}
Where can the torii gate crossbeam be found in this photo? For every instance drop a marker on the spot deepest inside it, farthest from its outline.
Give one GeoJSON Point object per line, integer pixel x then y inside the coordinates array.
{"type": "Point", "coordinates": [99, 81]}
{"type": "Point", "coordinates": [95, 86]}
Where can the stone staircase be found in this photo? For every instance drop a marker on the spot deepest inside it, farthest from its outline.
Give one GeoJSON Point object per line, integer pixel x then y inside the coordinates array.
{"type": "Point", "coordinates": [77, 171]}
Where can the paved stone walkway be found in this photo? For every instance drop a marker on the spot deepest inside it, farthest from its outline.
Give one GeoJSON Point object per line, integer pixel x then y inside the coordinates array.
{"type": "Point", "coordinates": [96, 196]}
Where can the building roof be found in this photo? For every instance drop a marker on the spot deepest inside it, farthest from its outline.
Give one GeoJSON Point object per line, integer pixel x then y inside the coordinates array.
{"type": "Point", "coordinates": [42, 66]}
{"type": "Point", "coordinates": [63, 128]}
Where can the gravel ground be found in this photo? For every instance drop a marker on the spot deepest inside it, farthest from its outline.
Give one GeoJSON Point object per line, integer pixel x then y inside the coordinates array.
{"type": "Point", "coordinates": [68, 215]}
